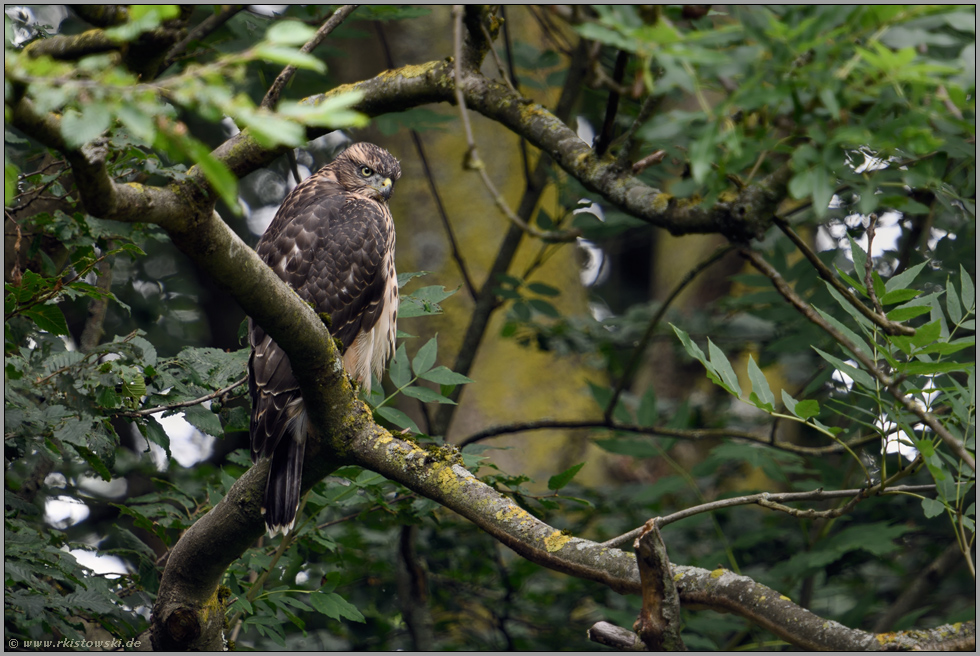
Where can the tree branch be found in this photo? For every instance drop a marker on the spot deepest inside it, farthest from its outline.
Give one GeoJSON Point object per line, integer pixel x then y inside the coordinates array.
{"type": "Point", "coordinates": [890, 327]}
{"type": "Point", "coordinates": [767, 499]}
{"type": "Point", "coordinates": [186, 404]}
{"type": "Point", "coordinates": [694, 434]}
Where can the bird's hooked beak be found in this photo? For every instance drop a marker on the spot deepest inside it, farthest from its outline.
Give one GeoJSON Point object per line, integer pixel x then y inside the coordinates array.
{"type": "Point", "coordinates": [384, 188]}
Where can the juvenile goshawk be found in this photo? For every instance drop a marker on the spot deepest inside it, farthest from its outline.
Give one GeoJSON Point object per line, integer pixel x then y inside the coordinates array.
{"type": "Point", "coordinates": [333, 241]}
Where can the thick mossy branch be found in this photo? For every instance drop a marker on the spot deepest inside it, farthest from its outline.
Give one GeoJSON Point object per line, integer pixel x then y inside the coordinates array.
{"type": "Point", "coordinates": [741, 217]}
{"type": "Point", "coordinates": [70, 48]}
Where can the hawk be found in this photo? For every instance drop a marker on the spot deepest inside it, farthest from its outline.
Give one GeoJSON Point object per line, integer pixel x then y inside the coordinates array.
{"type": "Point", "coordinates": [333, 241]}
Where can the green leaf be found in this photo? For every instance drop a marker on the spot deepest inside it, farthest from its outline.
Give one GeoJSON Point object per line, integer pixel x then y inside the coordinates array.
{"type": "Point", "coordinates": [854, 338]}
{"type": "Point", "coordinates": [290, 57]}
{"type": "Point", "coordinates": [558, 481]}
{"type": "Point", "coordinates": [48, 317]}
{"type": "Point", "coordinates": [153, 431]}
{"type": "Point", "coordinates": [859, 376]}
{"type": "Point", "coordinates": [860, 258]}
{"type": "Point", "coordinates": [692, 349]}
{"type": "Point", "coordinates": [822, 189]}
{"type": "Point", "coordinates": [807, 409]}
{"type": "Point", "coordinates": [760, 386]}
{"type": "Point", "coordinates": [426, 395]}
{"type": "Point", "coordinates": [94, 462]}
{"type": "Point", "coordinates": [906, 313]}
{"type": "Point", "coordinates": [898, 296]}
{"type": "Point", "coordinates": [203, 420]}
{"type": "Point", "coordinates": [932, 507]}
{"type": "Point", "coordinates": [289, 33]}
{"type": "Point", "coordinates": [924, 368]}
{"type": "Point", "coordinates": [404, 278]}
{"type": "Point", "coordinates": [789, 401]}
{"type": "Point", "coordinates": [953, 306]}
{"type": "Point", "coordinates": [223, 180]}
{"type": "Point", "coordinates": [544, 307]}
{"type": "Point", "coordinates": [399, 369]}
{"type": "Point", "coordinates": [333, 112]}
{"type": "Point", "coordinates": [543, 289]}
{"type": "Point", "coordinates": [723, 367]}
{"type": "Point", "coordinates": [444, 376]}
{"type": "Point", "coordinates": [137, 122]}
{"type": "Point", "coordinates": [398, 418]}
{"type": "Point", "coordinates": [967, 291]}
{"type": "Point", "coordinates": [904, 279]}
{"type": "Point", "coordinates": [80, 128]}
{"type": "Point", "coordinates": [10, 176]}
{"type": "Point", "coordinates": [334, 606]}
{"type": "Point", "coordinates": [426, 357]}
{"type": "Point", "coordinates": [646, 414]}
{"type": "Point", "coordinates": [927, 334]}
{"type": "Point", "coordinates": [142, 18]}
{"type": "Point", "coordinates": [107, 398]}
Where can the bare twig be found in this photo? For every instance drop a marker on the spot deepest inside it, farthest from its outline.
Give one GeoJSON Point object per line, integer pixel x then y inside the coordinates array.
{"type": "Point", "coordinates": [889, 383]}
{"type": "Point", "coordinates": [770, 499]}
{"type": "Point", "coordinates": [679, 433]}
{"type": "Point", "coordinates": [496, 58]}
{"type": "Point", "coordinates": [184, 404]}
{"type": "Point", "coordinates": [486, 301]}
{"type": "Point", "coordinates": [450, 234]}
{"type": "Point", "coordinates": [641, 346]}
{"type": "Point", "coordinates": [890, 327]}
{"type": "Point", "coordinates": [338, 17]}
{"type": "Point", "coordinates": [655, 157]}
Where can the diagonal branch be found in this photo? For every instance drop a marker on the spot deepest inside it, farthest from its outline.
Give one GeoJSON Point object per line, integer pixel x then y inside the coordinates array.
{"type": "Point", "coordinates": [271, 98]}
{"type": "Point", "coordinates": [889, 383]}
{"type": "Point", "coordinates": [890, 327]}
{"type": "Point", "coordinates": [204, 28]}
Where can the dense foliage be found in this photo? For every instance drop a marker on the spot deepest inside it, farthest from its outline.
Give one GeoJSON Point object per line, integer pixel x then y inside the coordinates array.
{"type": "Point", "coordinates": [840, 347]}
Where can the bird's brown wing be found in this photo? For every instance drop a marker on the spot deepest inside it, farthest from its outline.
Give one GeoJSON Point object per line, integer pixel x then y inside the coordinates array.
{"type": "Point", "coordinates": [330, 248]}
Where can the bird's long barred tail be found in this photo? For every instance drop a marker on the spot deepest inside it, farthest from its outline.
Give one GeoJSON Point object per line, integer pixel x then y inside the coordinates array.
{"type": "Point", "coordinates": [282, 489]}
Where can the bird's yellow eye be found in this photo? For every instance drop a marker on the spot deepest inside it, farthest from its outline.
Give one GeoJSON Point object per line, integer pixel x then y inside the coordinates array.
{"type": "Point", "coordinates": [366, 172]}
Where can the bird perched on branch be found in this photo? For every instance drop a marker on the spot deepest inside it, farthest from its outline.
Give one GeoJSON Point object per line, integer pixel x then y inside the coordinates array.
{"type": "Point", "coordinates": [333, 241]}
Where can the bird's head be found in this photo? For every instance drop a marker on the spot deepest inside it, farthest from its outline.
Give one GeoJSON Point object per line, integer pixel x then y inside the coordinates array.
{"type": "Point", "coordinates": [370, 170]}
